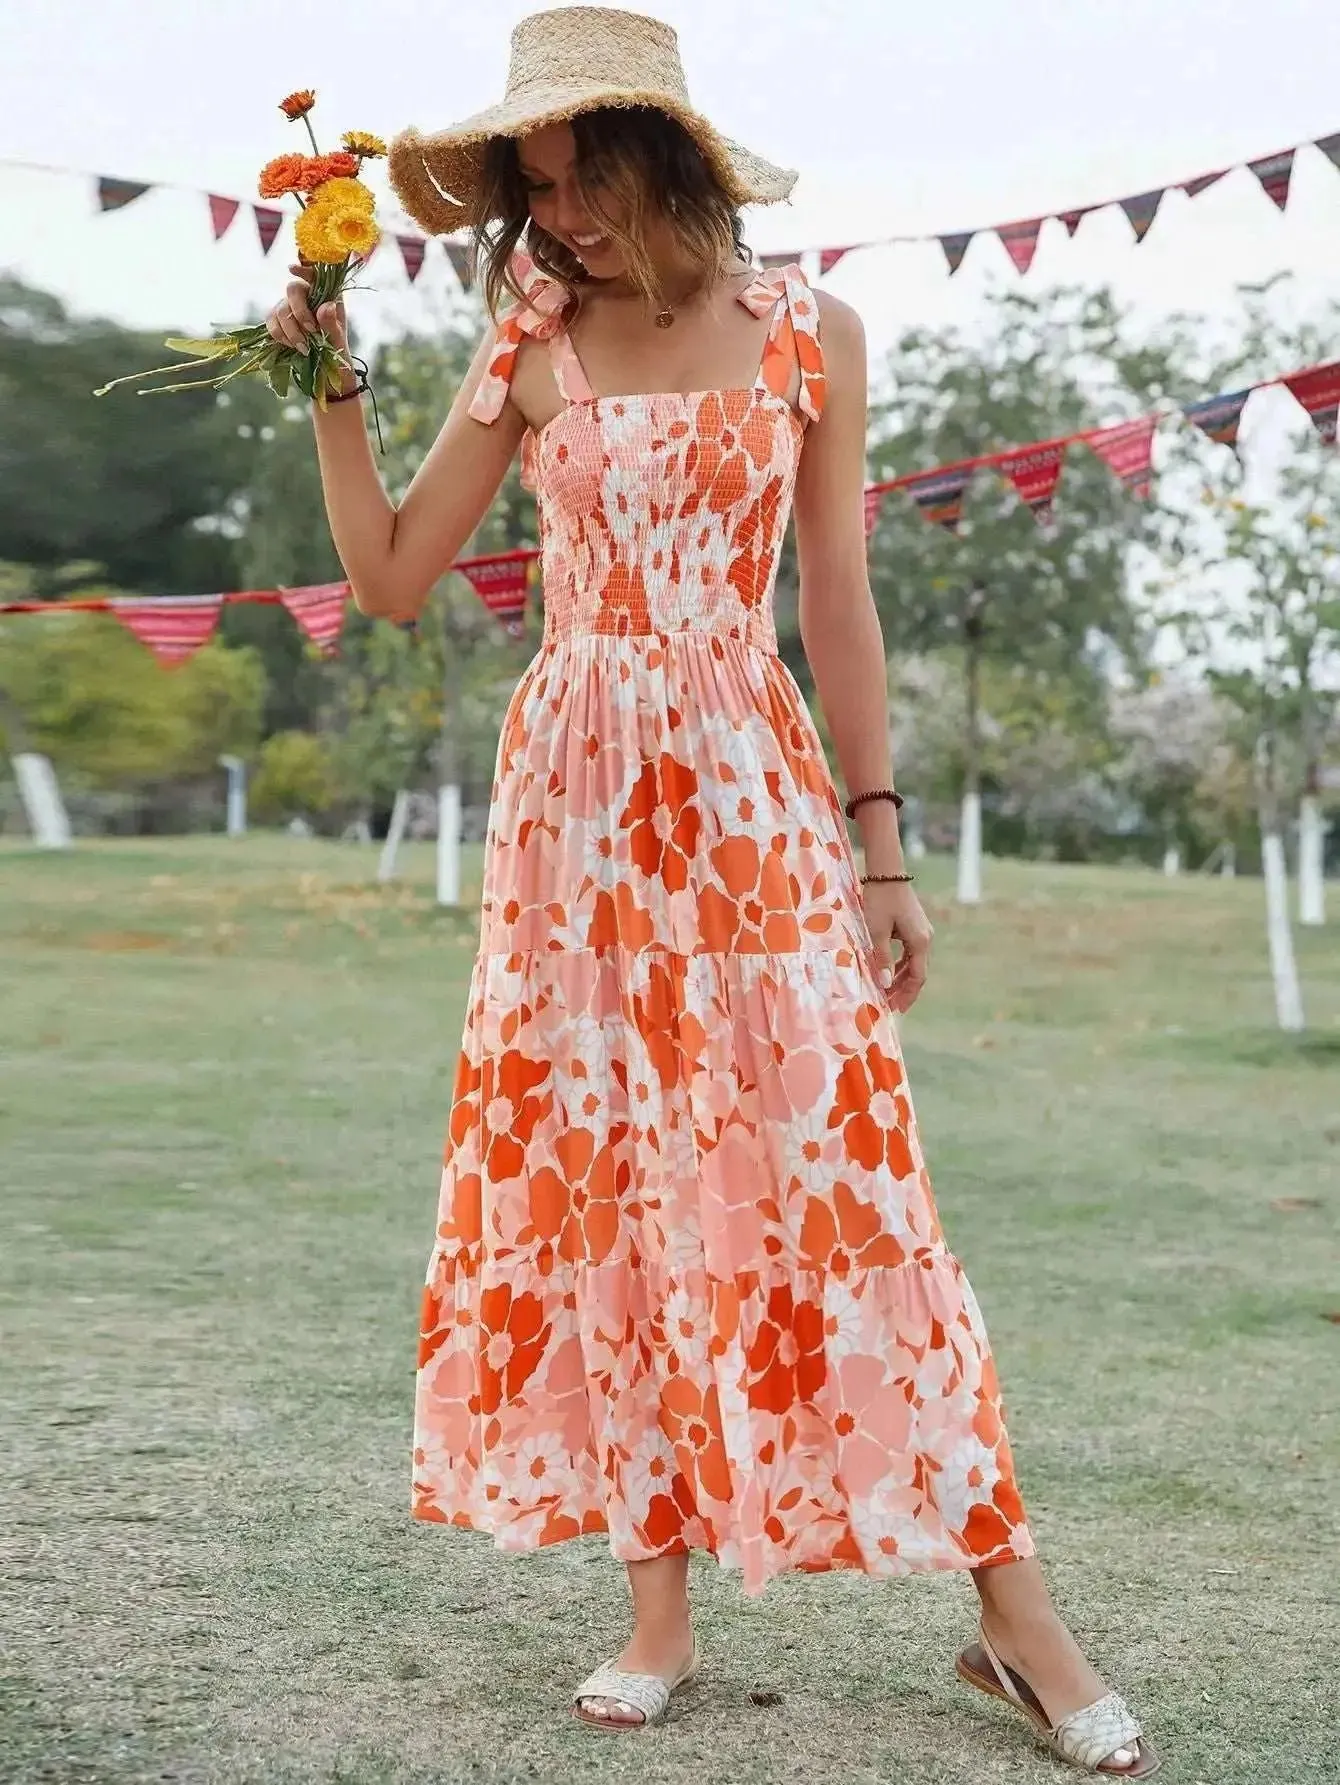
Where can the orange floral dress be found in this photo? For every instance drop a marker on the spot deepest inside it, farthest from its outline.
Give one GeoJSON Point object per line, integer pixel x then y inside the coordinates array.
{"type": "Point", "coordinates": [689, 1286]}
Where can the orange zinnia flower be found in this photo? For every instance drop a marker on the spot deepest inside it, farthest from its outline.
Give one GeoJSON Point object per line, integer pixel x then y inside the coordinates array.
{"type": "Point", "coordinates": [286, 173]}
{"type": "Point", "coordinates": [320, 168]}
{"type": "Point", "coordinates": [297, 105]}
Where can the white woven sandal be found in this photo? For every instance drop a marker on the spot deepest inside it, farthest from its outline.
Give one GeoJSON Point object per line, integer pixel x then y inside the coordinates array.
{"type": "Point", "coordinates": [645, 1692]}
{"type": "Point", "coordinates": [1102, 1737]}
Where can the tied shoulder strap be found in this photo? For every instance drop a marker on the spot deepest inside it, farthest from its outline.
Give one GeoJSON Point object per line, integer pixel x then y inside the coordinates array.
{"type": "Point", "coordinates": [793, 340]}
{"type": "Point", "coordinates": [539, 316]}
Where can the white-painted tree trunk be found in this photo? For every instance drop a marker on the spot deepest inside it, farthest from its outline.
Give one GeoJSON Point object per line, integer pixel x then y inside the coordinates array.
{"type": "Point", "coordinates": [970, 850]}
{"type": "Point", "coordinates": [1311, 861]}
{"type": "Point", "coordinates": [1283, 967]}
{"type": "Point", "coordinates": [1172, 860]}
{"type": "Point", "coordinates": [395, 831]}
{"type": "Point", "coordinates": [236, 823]}
{"type": "Point", "coordinates": [40, 792]}
{"type": "Point", "coordinates": [449, 845]}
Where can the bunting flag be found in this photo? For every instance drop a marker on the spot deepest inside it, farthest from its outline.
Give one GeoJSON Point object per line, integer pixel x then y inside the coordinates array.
{"type": "Point", "coordinates": [1127, 450]}
{"type": "Point", "coordinates": [1218, 417]}
{"type": "Point", "coordinates": [462, 261]}
{"type": "Point", "coordinates": [1318, 390]}
{"type": "Point", "coordinates": [1021, 241]}
{"type": "Point", "coordinates": [268, 221]}
{"type": "Point", "coordinates": [319, 610]}
{"type": "Point", "coordinates": [412, 250]}
{"type": "Point", "coordinates": [770, 261]}
{"type": "Point", "coordinates": [939, 493]}
{"type": "Point", "coordinates": [115, 195]}
{"type": "Point", "coordinates": [874, 498]}
{"type": "Point", "coordinates": [1202, 183]}
{"type": "Point", "coordinates": [173, 629]}
{"type": "Point", "coordinates": [500, 583]}
{"type": "Point", "coordinates": [221, 213]}
{"type": "Point", "coordinates": [1275, 172]}
{"type": "Point", "coordinates": [955, 247]}
{"type": "Point", "coordinates": [1141, 211]}
{"type": "Point", "coordinates": [1035, 472]}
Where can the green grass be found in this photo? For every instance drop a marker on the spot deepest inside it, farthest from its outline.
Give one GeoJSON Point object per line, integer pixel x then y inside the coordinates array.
{"type": "Point", "coordinates": [225, 1079]}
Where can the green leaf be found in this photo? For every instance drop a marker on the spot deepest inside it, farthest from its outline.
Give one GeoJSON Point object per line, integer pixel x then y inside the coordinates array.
{"type": "Point", "coordinates": [212, 347]}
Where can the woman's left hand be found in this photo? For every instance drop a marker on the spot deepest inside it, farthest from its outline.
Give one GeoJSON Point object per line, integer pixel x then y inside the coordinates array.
{"type": "Point", "coordinates": [902, 936]}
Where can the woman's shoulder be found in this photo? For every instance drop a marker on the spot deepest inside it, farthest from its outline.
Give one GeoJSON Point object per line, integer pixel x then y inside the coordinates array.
{"type": "Point", "coordinates": [839, 321]}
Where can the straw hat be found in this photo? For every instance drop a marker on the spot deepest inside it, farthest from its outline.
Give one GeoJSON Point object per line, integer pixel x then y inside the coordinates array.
{"type": "Point", "coordinates": [564, 62]}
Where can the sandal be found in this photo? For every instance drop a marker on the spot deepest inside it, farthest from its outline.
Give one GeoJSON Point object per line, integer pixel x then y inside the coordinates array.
{"type": "Point", "coordinates": [644, 1692]}
{"type": "Point", "coordinates": [1092, 1737]}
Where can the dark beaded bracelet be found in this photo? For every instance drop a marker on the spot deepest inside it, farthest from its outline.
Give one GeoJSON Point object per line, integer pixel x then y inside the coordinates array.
{"type": "Point", "coordinates": [875, 793]}
{"type": "Point", "coordinates": [887, 879]}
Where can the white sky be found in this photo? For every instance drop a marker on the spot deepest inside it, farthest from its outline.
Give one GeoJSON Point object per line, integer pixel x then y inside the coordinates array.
{"type": "Point", "coordinates": [901, 118]}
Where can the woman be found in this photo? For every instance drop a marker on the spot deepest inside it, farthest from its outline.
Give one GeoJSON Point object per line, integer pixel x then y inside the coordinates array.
{"type": "Point", "coordinates": [689, 1286]}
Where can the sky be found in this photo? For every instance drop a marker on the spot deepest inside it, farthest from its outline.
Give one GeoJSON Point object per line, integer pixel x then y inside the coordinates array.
{"type": "Point", "coordinates": [901, 119]}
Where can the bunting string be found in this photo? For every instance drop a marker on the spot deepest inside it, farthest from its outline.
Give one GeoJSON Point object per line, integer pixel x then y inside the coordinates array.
{"type": "Point", "coordinates": [174, 627]}
{"type": "Point", "coordinates": [1274, 174]}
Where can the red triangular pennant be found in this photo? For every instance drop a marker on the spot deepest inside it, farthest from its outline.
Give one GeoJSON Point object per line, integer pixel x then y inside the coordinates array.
{"type": "Point", "coordinates": [462, 259]}
{"type": "Point", "coordinates": [319, 609]}
{"type": "Point", "coordinates": [1202, 183]}
{"type": "Point", "coordinates": [1274, 172]}
{"type": "Point", "coordinates": [1035, 472]}
{"type": "Point", "coordinates": [500, 583]}
{"type": "Point", "coordinates": [1318, 390]}
{"type": "Point", "coordinates": [412, 251]}
{"type": "Point", "coordinates": [113, 195]}
{"type": "Point", "coordinates": [1127, 450]}
{"type": "Point", "coordinates": [955, 247]}
{"type": "Point", "coordinates": [1142, 210]}
{"type": "Point", "coordinates": [873, 500]}
{"type": "Point", "coordinates": [1021, 241]}
{"type": "Point", "coordinates": [173, 628]}
{"type": "Point", "coordinates": [828, 259]}
{"type": "Point", "coordinates": [1330, 148]}
{"type": "Point", "coordinates": [267, 225]}
{"type": "Point", "coordinates": [221, 213]}
{"type": "Point", "coordinates": [1073, 219]}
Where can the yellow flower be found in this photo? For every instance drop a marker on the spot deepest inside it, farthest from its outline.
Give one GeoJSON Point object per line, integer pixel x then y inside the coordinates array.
{"type": "Point", "coordinates": [329, 233]}
{"type": "Point", "coordinates": [362, 142]}
{"type": "Point", "coordinates": [343, 195]}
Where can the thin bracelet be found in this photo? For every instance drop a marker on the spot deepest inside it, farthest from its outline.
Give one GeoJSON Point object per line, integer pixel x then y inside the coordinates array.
{"type": "Point", "coordinates": [875, 793]}
{"type": "Point", "coordinates": [887, 879]}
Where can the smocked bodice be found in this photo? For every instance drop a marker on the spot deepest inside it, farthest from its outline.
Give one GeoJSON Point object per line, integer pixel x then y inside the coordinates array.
{"type": "Point", "coordinates": [664, 513]}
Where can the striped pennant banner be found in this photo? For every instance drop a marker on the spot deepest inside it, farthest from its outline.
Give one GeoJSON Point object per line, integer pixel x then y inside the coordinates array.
{"type": "Point", "coordinates": [115, 195]}
{"type": "Point", "coordinates": [1318, 390]}
{"type": "Point", "coordinates": [1219, 417]}
{"type": "Point", "coordinates": [319, 609]}
{"type": "Point", "coordinates": [500, 583]}
{"type": "Point", "coordinates": [174, 628]}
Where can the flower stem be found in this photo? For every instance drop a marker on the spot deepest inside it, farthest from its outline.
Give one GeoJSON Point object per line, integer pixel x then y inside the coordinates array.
{"type": "Point", "coordinates": [308, 122]}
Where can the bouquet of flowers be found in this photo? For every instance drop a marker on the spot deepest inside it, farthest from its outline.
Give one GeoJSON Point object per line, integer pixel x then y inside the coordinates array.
{"type": "Point", "coordinates": [336, 227]}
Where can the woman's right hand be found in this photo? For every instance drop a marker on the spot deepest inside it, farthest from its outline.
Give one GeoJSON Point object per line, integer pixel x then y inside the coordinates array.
{"type": "Point", "coordinates": [292, 321]}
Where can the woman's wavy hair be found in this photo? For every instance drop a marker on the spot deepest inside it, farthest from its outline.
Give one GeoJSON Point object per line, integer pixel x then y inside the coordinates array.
{"type": "Point", "coordinates": [633, 163]}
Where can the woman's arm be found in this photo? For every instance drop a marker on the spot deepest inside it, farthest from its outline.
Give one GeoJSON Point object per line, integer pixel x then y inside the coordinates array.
{"type": "Point", "coordinates": [393, 556]}
{"type": "Point", "coordinates": [842, 637]}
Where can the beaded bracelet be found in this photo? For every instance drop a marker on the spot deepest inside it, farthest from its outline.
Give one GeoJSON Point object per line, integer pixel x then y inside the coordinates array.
{"type": "Point", "coordinates": [887, 879]}
{"type": "Point", "coordinates": [875, 793]}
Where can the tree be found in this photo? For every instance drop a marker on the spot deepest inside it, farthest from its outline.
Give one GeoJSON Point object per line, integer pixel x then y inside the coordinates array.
{"type": "Point", "coordinates": [135, 489]}
{"type": "Point", "coordinates": [1003, 592]}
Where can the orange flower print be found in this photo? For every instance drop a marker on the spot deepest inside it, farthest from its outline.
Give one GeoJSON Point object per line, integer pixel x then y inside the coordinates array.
{"type": "Point", "coordinates": [689, 1287]}
{"type": "Point", "coordinates": [663, 822]}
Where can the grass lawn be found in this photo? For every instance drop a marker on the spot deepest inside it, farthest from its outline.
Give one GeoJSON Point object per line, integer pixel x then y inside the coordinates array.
{"type": "Point", "coordinates": [225, 1080]}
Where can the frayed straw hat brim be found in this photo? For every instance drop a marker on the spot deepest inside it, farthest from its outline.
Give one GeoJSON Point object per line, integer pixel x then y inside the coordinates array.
{"type": "Point", "coordinates": [565, 63]}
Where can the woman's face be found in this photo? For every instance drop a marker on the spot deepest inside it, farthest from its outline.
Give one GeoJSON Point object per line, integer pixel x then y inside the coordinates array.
{"type": "Point", "coordinates": [548, 160]}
